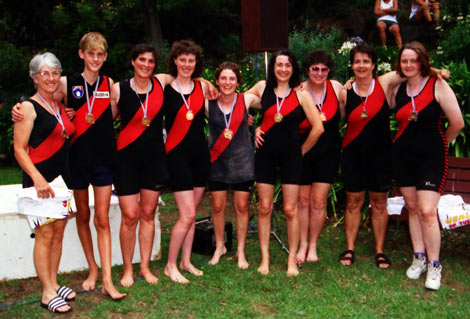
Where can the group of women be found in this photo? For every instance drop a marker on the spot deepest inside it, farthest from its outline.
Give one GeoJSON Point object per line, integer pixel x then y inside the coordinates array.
{"type": "Point", "coordinates": [298, 141]}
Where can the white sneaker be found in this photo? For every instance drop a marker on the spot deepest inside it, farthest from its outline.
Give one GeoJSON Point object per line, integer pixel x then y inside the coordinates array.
{"type": "Point", "coordinates": [417, 267]}
{"type": "Point", "coordinates": [433, 278]}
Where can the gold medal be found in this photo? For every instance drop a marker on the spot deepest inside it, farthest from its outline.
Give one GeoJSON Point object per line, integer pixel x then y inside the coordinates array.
{"type": "Point", "coordinates": [278, 117]}
{"type": "Point", "coordinates": [189, 115]}
{"type": "Point", "coordinates": [323, 116]}
{"type": "Point", "coordinates": [228, 134]}
{"type": "Point", "coordinates": [145, 121]}
{"type": "Point", "coordinates": [90, 119]}
{"type": "Point", "coordinates": [414, 116]}
{"type": "Point", "coordinates": [64, 135]}
{"type": "Point", "coordinates": [364, 114]}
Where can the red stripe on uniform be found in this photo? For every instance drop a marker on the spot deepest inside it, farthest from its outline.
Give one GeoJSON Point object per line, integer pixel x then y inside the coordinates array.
{"type": "Point", "coordinates": [54, 142]}
{"type": "Point", "coordinates": [181, 125]}
{"type": "Point", "coordinates": [290, 103]}
{"type": "Point", "coordinates": [446, 156]}
{"type": "Point", "coordinates": [221, 143]}
{"type": "Point", "coordinates": [375, 102]}
{"type": "Point", "coordinates": [134, 128]}
{"type": "Point", "coordinates": [425, 97]}
{"type": "Point", "coordinates": [99, 106]}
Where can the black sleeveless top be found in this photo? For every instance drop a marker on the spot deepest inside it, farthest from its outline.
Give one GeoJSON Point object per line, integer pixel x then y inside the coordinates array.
{"type": "Point", "coordinates": [236, 163]}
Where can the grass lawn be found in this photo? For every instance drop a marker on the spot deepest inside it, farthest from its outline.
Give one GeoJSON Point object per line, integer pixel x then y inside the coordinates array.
{"type": "Point", "coordinates": [325, 289]}
{"type": "Point", "coordinates": [10, 175]}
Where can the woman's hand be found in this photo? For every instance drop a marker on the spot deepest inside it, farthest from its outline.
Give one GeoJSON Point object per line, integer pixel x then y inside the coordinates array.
{"type": "Point", "coordinates": [70, 112]}
{"type": "Point", "coordinates": [349, 84]}
{"type": "Point", "coordinates": [16, 114]}
{"type": "Point", "coordinates": [43, 189]}
{"type": "Point", "coordinates": [258, 138]}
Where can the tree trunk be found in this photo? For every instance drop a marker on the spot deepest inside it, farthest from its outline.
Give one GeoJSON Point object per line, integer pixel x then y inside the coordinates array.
{"type": "Point", "coordinates": [152, 20]}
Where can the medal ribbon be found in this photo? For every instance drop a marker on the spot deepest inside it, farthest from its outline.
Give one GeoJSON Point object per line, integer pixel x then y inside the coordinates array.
{"type": "Point", "coordinates": [55, 112]}
{"type": "Point", "coordinates": [99, 107]}
{"type": "Point", "coordinates": [90, 107]}
{"type": "Point", "coordinates": [291, 103]}
{"type": "Point", "coordinates": [355, 123]}
{"type": "Point", "coordinates": [186, 103]}
{"type": "Point", "coordinates": [329, 108]}
{"type": "Point", "coordinates": [278, 107]}
{"type": "Point", "coordinates": [227, 123]}
{"type": "Point", "coordinates": [422, 100]}
{"type": "Point", "coordinates": [181, 125]}
{"type": "Point", "coordinates": [412, 94]}
{"type": "Point", "coordinates": [319, 104]}
{"type": "Point", "coordinates": [369, 90]}
{"type": "Point", "coordinates": [51, 144]}
{"type": "Point", "coordinates": [134, 129]}
{"type": "Point", "coordinates": [144, 108]}
{"type": "Point", "coordinates": [221, 143]}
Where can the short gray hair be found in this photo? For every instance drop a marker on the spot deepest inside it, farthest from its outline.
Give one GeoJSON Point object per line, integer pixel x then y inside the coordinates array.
{"type": "Point", "coordinates": [40, 60]}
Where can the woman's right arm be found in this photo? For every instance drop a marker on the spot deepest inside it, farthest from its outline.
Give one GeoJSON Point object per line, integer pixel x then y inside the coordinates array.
{"type": "Point", "coordinates": [21, 133]}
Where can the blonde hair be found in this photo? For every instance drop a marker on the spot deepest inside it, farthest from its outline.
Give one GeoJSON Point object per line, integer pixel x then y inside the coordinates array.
{"type": "Point", "coordinates": [93, 40]}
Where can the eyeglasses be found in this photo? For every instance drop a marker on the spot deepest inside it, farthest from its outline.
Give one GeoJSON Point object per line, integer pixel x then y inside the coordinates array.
{"type": "Point", "coordinates": [316, 69]}
{"type": "Point", "coordinates": [47, 74]}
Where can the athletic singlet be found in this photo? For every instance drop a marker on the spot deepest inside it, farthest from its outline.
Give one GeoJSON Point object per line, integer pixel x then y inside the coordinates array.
{"type": "Point", "coordinates": [135, 138]}
{"type": "Point", "coordinates": [424, 139]}
{"type": "Point", "coordinates": [330, 140]}
{"type": "Point", "coordinates": [47, 148]}
{"type": "Point", "coordinates": [372, 131]}
{"type": "Point", "coordinates": [234, 163]}
{"type": "Point", "coordinates": [285, 133]}
{"type": "Point", "coordinates": [92, 144]}
{"type": "Point", "coordinates": [387, 17]}
{"type": "Point", "coordinates": [183, 133]}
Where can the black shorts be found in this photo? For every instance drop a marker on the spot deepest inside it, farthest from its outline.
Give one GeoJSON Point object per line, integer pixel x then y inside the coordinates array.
{"type": "Point", "coordinates": [133, 174]}
{"type": "Point", "coordinates": [367, 170]}
{"type": "Point", "coordinates": [388, 23]}
{"type": "Point", "coordinates": [423, 172]}
{"type": "Point", "coordinates": [287, 163]}
{"type": "Point", "coordinates": [320, 167]}
{"type": "Point", "coordinates": [99, 175]}
{"type": "Point", "coordinates": [188, 170]}
{"type": "Point", "coordinates": [241, 187]}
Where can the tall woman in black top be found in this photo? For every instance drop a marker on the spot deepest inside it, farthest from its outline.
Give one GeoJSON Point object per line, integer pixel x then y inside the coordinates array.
{"type": "Point", "coordinates": [280, 149]}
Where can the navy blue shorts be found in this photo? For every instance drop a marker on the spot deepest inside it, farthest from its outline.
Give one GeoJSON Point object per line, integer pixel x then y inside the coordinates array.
{"type": "Point", "coordinates": [100, 175]}
{"type": "Point", "coordinates": [220, 186]}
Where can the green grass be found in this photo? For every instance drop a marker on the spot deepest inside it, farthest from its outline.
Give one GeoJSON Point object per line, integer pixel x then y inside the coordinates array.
{"type": "Point", "coordinates": [325, 289]}
{"type": "Point", "coordinates": [10, 175]}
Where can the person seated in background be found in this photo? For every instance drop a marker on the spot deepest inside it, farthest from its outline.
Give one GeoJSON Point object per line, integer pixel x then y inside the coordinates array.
{"type": "Point", "coordinates": [386, 10]}
{"type": "Point", "coordinates": [425, 10]}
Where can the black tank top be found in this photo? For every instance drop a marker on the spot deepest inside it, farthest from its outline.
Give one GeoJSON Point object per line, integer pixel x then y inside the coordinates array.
{"type": "Point", "coordinates": [236, 163]}
{"type": "Point", "coordinates": [150, 141]}
{"type": "Point", "coordinates": [57, 163]}
{"type": "Point", "coordinates": [97, 145]}
{"type": "Point", "coordinates": [286, 132]}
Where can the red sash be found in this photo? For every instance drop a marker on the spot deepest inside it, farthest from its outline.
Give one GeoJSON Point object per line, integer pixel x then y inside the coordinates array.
{"type": "Point", "coordinates": [99, 106]}
{"type": "Point", "coordinates": [425, 97]}
{"type": "Point", "coordinates": [290, 103]}
{"type": "Point", "coordinates": [375, 102]}
{"type": "Point", "coordinates": [329, 108]}
{"type": "Point", "coordinates": [134, 128]}
{"type": "Point", "coordinates": [221, 143]}
{"type": "Point", "coordinates": [181, 125]}
{"type": "Point", "coordinates": [54, 142]}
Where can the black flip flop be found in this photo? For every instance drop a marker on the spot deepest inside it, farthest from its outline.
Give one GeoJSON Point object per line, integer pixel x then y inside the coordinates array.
{"type": "Point", "coordinates": [383, 261]}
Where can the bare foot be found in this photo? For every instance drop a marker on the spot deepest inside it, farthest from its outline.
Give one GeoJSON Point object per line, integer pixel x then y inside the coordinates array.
{"type": "Point", "coordinates": [264, 268]}
{"type": "Point", "coordinates": [127, 279]}
{"type": "Point", "coordinates": [217, 254]}
{"type": "Point", "coordinates": [175, 275]}
{"type": "Point", "coordinates": [191, 269]}
{"type": "Point", "coordinates": [312, 254]}
{"type": "Point", "coordinates": [149, 277]}
{"type": "Point", "coordinates": [242, 262]}
{"type": "Point", "coordinates": [110, 290]}
{"type": "Point", "coordinates": [90, 282]}
{"type": "Point", "coordinates": [292, 269]}
{"type": "Point", "coordinates": [301, 253]}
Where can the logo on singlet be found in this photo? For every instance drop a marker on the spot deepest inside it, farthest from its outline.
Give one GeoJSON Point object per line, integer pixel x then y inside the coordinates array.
{"type": "Point", "coordinates": [102, 94]}
{"type": "Point", "coordinates": [77, 91]}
